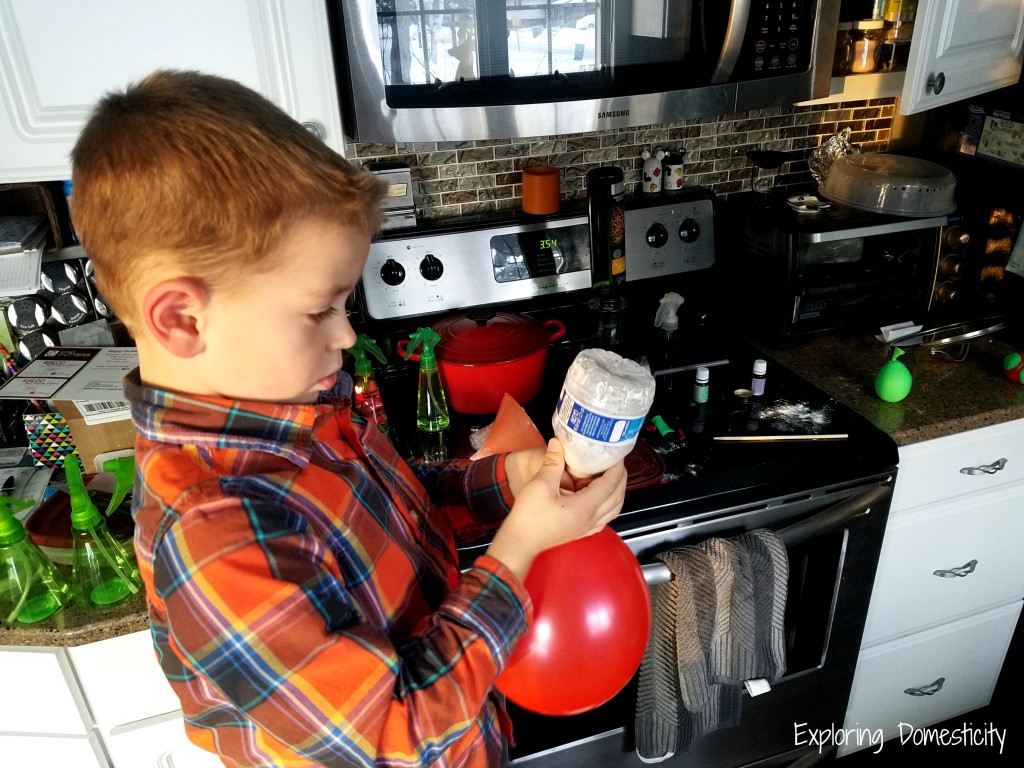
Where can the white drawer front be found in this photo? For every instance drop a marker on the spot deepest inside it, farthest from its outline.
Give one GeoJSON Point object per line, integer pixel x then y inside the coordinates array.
{"type": "Point", "coordinates": [931, 471]}
{"type": "Point", "coordinates": [38, 694]}
{"type": "Point", "coordinates": [946, 562]}
{"type": "Point", "coordinates": [966, 656]}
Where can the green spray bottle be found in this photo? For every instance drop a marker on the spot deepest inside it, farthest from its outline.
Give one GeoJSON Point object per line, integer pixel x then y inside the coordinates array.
{"type": "Point", "coordinates": [102, 571]}
{"type": "Point", "coordinates": [432, 416]}
{"type": "Point", "coordinates": [31, 587]}
{"type": "Point", "coordinates": [366, 393]}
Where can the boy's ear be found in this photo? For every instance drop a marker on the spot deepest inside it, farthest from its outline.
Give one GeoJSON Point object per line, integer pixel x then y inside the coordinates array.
{"type": "Point", "coordinates": [173, 313]}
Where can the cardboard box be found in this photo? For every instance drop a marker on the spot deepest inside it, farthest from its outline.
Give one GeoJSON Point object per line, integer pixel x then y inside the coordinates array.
{"type": "Point", "coordinates": [82, 384]}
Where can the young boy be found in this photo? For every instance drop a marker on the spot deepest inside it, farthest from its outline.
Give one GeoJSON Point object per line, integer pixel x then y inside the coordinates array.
{"type": "Point", "coordinates": [304, 595]}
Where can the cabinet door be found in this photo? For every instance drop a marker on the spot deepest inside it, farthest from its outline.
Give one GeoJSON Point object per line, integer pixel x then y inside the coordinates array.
{"type": "Point", "coordinates": [58, 58]}
{"type": "Point", "coordinates": [161, 744]}
{"type": "Point", "coordinates": [947, 561]}
{"type": "Point", "coordinates": [962, 48]}
{"type": "Point", "coordinates": [39, 694]}
{"type": "Point", "coordinates": [928, 677]}
{"type": "Point", "coordinates": [122, 680]}
{"type": "Point", "coordinates": [52, 752]}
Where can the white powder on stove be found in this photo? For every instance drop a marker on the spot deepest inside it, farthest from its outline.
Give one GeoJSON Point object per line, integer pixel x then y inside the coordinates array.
{"type": "Point", "coordinates": [603, 404]}
{"type": "Point", "coordinates": [789, 416]}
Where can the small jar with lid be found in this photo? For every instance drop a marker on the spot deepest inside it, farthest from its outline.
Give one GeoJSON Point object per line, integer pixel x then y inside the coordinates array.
{"type": "Point", "coordinates": [867, 37]}
{"type": "Point", "coordinates": [844, 49]}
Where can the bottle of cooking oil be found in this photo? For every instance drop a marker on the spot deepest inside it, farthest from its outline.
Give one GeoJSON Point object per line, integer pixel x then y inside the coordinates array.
{"type": "Point", "coordinates": [432, 415]}
{"type": "Point", "coordinates": [102, 571]}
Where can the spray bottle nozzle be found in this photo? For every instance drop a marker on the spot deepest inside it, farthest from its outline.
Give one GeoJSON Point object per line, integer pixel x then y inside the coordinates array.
{"type": "Point", "coordinates": [363, 345]}
{"type": "Point", "coordinates": [666, 318]}
{"type": "Point", "coordinates": [428, 337]}
{"type": "Point", "coordinates": [84, 514]}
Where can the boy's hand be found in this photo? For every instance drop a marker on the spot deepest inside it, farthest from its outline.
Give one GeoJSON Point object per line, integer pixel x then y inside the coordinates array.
{"type": "Point", "coordinates": [550, 509]}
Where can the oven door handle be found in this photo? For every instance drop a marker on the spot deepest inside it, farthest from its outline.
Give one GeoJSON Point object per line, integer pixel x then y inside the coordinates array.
{"type": "Point", "coordinates": [827, 520]}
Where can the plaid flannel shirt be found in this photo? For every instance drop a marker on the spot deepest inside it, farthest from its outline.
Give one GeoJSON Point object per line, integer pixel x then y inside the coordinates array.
{"type": "Point", "coordinates": [304, 593]}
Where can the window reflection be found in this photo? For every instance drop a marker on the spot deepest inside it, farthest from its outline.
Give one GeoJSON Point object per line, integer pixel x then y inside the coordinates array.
{"type": "Point", "coordinates": [439, 41]}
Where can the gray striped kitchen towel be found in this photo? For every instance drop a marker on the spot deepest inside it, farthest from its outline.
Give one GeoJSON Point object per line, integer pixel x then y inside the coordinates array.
{"type": "Point", "coordinates": [717, 622]}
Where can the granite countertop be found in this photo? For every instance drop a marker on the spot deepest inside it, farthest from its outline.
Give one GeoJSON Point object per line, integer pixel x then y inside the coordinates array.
{"type": "Point", "coordinates": [946, 397]}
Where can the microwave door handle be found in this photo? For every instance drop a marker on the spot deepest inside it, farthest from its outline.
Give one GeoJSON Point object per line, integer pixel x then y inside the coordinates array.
{"type": "Point", "coordinates": [735, 31]}
{"type": "Point", "coordinates": [827, 520]}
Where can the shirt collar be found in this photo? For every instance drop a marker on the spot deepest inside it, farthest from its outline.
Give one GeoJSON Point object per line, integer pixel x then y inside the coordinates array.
{"type": "Point", "coordinates": [282, 429]}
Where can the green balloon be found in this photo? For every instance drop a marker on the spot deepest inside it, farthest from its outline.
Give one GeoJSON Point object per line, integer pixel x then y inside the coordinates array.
{"type": "Point", "coordinates": [894, 380]}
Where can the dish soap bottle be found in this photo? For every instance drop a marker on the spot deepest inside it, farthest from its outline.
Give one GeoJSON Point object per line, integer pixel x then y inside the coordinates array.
{"type": "Point", "coordinates": [432, 416]}
{"type": "Point", "coordinates": [102, 572]}
{"type": "Point", "coordinates": [368, 402]}
{"type": "Point", "coordinates": [31, 587]}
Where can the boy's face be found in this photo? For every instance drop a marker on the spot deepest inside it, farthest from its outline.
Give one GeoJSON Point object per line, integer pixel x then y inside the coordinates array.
{"type": "Point", "coordinates": [279, 338]}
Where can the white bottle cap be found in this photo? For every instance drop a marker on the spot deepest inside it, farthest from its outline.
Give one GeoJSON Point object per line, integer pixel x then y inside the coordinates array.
{"type": "Point", "coordinates": [760, 367]}
{"type": "Point", "coordinates": [703, 374]}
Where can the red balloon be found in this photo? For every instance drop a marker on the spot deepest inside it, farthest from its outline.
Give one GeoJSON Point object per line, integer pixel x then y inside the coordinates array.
{"type": "Point", "coordinates": [591, 622]}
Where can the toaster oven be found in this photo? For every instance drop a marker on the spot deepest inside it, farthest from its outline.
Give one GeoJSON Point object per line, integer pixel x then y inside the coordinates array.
{"type": "Point", "coordinates": [794, 274]}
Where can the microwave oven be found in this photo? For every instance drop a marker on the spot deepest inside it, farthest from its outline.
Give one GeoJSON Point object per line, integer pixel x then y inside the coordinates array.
{"type": "Point", "coordinates": [788, 274]}
{"type": "Point", "coordinates": [458, 70]}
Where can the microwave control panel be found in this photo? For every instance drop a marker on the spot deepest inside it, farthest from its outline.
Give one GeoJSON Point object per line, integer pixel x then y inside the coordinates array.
{"type": "Point", "coordinates": [779, 39]}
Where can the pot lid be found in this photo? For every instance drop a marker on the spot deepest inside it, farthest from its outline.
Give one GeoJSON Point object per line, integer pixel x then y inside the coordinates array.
{"type": "Point", "coordinates": [893, 184]}
{"type": "Point", "coordinates": [485, 336]}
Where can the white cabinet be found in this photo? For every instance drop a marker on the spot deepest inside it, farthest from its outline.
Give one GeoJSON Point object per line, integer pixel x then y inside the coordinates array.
{"type": "Point", "coordinates": [975, 47]}
{"type": "Point", "coordinates": [961, 48]}
{"type": "Point", "coordinates": [106, 704]}
{"type": "Point", "coordinates": [134, 710]}
{"type": "Point", "coordinates": [947, 595]}
{"type": "Point", "coordinates": [59, 57]}
{"type": "Point", "coordinates": [43, 718]}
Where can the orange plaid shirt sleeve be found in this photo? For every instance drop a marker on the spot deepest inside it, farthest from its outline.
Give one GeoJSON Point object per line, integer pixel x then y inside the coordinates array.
{"type": "Point", "coordinates": [304, 594]}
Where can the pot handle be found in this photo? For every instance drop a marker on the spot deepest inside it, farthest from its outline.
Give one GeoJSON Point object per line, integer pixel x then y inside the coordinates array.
{"type": "Point", "coordinates": [556, 329]}
{"type": "Point", "coordinates": [402, 346]}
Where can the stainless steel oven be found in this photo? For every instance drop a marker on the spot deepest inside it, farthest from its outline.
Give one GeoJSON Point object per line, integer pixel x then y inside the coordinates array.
{"type": "Point", "coordinates": [445, 70]}
{"type": "Point", "coordinates": [827, 498]}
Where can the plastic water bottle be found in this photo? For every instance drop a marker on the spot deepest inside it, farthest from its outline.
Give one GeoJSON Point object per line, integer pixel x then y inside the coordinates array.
{"type": "Point", "coordinates": [602, 406]}
{"type": "Point", "coordinates": [31, 587]}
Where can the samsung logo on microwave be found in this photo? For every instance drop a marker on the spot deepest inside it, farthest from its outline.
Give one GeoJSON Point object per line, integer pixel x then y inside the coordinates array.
{"type": "Point", "coordinates": [613, 113]}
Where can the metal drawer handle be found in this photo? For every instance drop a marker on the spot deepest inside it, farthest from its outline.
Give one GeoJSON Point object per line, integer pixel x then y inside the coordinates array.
{"type": "Point", "coordinates": [926, 690]}
{"type": "Point", "coordinates": [985, 469]}
{"type": "Point", "coordinates": [952, 573]}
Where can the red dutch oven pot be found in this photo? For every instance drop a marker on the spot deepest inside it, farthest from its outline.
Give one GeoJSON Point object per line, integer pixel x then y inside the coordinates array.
{"type": "Point", "coordinates": [484, 354]}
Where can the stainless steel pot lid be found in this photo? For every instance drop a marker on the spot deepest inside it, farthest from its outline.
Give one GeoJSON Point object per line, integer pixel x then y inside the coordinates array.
{"type": "Point", "coordinates": [955, 333]}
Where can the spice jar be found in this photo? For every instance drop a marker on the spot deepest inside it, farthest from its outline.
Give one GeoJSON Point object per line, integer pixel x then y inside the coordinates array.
{"type": "Point", "coordinates": [899, 19]}
{"type": "Point", "coordinates": [867, 45]}
{"type": "Point", "coordinates": [844, 49]}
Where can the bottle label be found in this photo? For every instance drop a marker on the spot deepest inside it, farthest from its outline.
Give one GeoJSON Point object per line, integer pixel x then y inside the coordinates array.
{"type": "Point", "coordinates": [596, 426]}
{"type": "Point", "coordinates": [757, 386]}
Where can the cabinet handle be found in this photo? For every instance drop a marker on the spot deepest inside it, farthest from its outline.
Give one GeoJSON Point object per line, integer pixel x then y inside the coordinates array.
{"type": "Point", "coordinates": [952, 573]}
{"type": "Point", "coordinates": [926, 690]}
{"type": "Point", "coordinates": [315, 128]}
{"type": "Point", "coordinates": [935, 83]}
{"type": "Point", "coordinates": [985, 469]}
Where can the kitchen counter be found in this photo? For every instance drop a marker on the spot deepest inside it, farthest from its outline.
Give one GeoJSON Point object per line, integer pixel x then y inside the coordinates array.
{"type": "Point", "coordinates": [947, 397]}
{"type": "Point", "coordinates": [75, 626]}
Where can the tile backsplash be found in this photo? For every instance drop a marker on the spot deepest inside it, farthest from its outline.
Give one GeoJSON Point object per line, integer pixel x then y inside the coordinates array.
{"type": "Point", "coordinates": [468, 177]}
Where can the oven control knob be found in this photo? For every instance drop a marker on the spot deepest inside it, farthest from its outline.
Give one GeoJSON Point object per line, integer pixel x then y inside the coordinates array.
{"type": "Point", "coordinates": [431, 267]}
{"type": "Point", "coordinates": [689, 230]}
{"type": "Point", "coordinates": [392, 273]}
{"type": "Point", "coordinates": [657, 235]}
